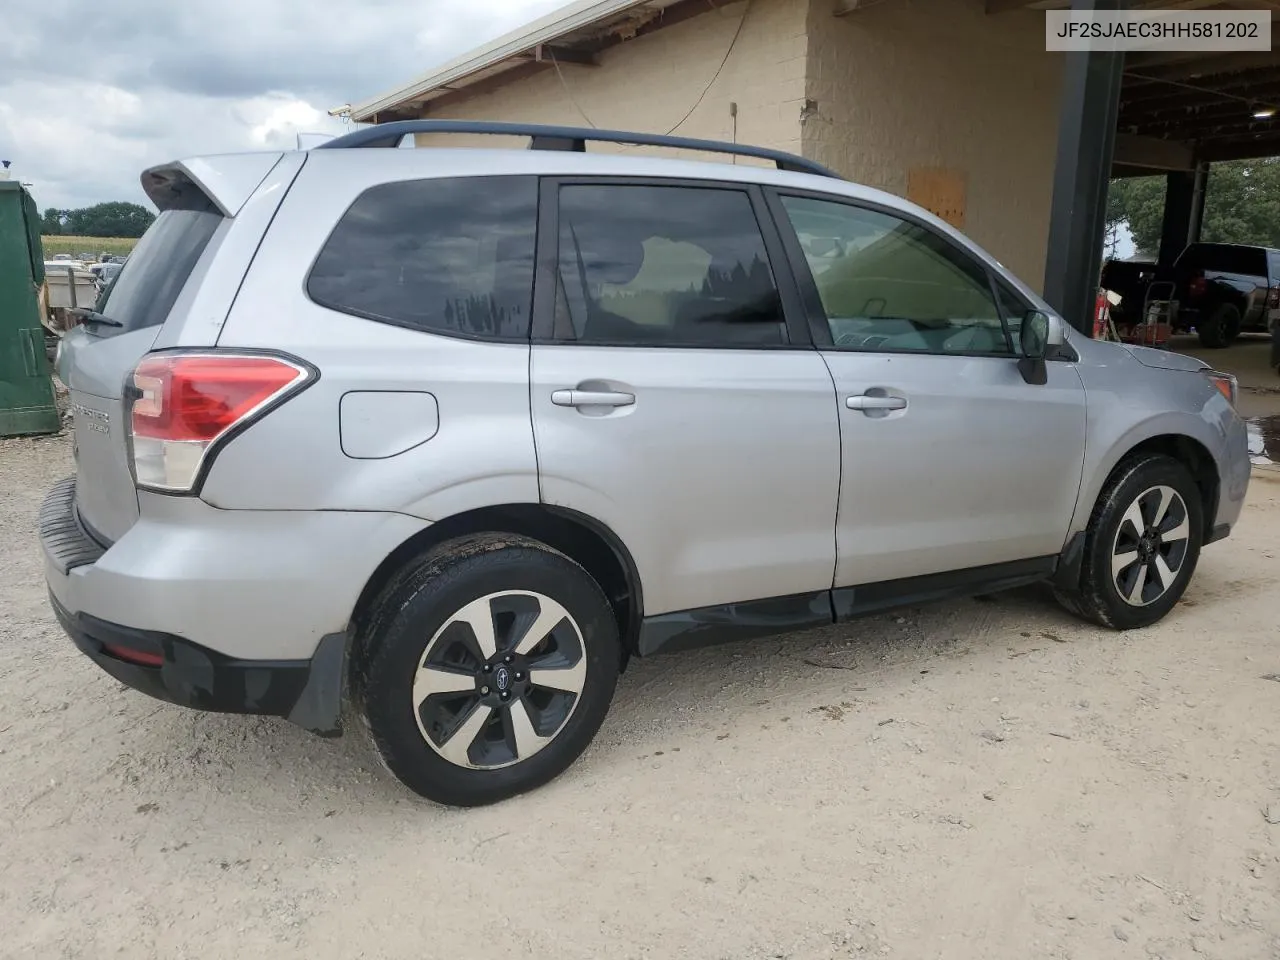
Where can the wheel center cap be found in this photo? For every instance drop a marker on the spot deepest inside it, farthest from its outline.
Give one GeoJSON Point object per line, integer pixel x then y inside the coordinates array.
{"type": "Point", "coordinates": [502, 679]}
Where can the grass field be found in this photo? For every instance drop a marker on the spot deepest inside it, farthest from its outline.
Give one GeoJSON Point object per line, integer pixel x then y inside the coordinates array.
{"type": "Point", "coordinates": [116, 246]}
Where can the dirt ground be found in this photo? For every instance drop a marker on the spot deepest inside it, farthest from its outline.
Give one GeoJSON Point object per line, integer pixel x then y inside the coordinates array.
{"type": "Point", "coordinates": [979, 779]}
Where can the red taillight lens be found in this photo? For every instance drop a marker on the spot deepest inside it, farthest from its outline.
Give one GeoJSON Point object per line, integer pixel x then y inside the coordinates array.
{"type": "Point", "coordinates": [184, 403]}
{"type": "Point", "coordinates": [1197, 286]}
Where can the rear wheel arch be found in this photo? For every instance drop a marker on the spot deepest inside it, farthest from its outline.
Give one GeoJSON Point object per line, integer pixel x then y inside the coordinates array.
{"type": "Point", "coordinates": [583, 539]}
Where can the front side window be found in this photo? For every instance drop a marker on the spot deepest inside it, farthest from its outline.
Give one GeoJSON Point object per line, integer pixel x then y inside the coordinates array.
{"type": "Point", "coordinates": [663, 265]}
{"type": "Point", "coordinates": [451, 256]}
{"type": "Point", "coordinates": [1014, 309]}
{"type": "Point", "coordinates": [890, 285]}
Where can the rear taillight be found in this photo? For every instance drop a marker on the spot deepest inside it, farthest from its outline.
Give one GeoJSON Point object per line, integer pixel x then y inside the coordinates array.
{"type": "Point", "coordinates": [1273, 298]}
{"type": "Point", "coordinates": [184, 404]}
{"type": "Point", "coordinates": [1197, 286]}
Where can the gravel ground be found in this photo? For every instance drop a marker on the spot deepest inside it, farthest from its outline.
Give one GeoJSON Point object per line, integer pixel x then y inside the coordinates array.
{"type": "Point", "coordinates": [979, 779]}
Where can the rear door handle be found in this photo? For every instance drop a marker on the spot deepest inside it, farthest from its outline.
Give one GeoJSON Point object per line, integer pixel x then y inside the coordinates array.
{"type": "Point", "coordinates": [592, 398]}
{"type": "Point", "coordinates": [865, 402]}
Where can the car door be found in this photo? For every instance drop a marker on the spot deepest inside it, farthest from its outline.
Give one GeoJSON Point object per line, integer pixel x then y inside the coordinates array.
{"type": "Point", "coordinates": [674, 400]}
{"type": "Point", "coordinates": [951, 461]}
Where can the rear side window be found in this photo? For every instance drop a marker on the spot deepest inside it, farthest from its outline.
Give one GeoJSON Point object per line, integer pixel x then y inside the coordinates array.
{"type": "Point", "coordinates": [664, 266]}
{"type": "Point", "coordinates": [451, 256]}
{"type": "Point", "coordinates": [1225, 258]}
{"type": "Point", "coordinates": [146, 288]}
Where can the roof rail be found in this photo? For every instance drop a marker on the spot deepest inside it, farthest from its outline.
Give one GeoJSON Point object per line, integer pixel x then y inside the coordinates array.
{"type": "Point", "coordinates": [545, 137]}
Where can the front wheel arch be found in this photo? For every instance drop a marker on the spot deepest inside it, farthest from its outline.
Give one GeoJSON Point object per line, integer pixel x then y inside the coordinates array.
{"type": "Point", "coordinates": [1189, 451]}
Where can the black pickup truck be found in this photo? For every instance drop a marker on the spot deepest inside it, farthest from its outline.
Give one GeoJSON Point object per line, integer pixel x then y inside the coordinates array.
{"type": "Point", "coordinates": [1221, 289]}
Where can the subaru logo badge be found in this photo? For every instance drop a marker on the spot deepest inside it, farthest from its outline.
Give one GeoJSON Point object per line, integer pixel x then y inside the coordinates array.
{"type": "Point", "coordinates": [502, 679]}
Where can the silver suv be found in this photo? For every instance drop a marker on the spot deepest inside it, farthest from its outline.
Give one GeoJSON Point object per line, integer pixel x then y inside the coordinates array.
{"type": "Point", "coordinates": [449, 434]}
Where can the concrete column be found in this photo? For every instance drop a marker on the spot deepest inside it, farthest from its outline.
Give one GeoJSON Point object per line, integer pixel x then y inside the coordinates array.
{"type": "Point", "coordinates": [1086, 146]}
{"type": "Point", "coordinates": [1199, 187]}
{"type": "Point", "coordinates": [1183, 211]}
{"type": "Point", "coordinates": [1179, 200]}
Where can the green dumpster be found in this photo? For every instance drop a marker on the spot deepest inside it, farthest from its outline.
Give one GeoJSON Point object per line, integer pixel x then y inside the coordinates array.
{"type": "Point", "coordinates": [26, 388]}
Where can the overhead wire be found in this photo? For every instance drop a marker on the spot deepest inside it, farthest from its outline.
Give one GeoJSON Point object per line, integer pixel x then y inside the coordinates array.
{"type": "Point", "coordinates": [701, 96]}
{"type": "Point", "coordinates": [569, 93]}
{"type": "Point", "coordinates": [715, 76]}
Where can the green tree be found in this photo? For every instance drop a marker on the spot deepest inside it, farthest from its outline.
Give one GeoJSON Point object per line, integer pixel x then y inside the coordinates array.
{"type": "Point", "coordinates": [1242, 205]}
{"type": "Point", "coordinates": [112, 219]}
{"type": "Point", "coordinates": [51, 222]}
{"type": "Point", "coordinates": [1139, 203]}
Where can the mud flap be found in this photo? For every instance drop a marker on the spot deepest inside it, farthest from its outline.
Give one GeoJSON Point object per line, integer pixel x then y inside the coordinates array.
{"type": "Point", "coordinates": [319, 706]}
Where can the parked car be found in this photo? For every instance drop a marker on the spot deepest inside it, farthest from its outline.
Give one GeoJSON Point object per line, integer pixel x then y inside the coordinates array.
{"type": "Point", "coordinates": [452, 434]}
{"type": "Point", "coordinates": [1221, 289]}
{"type": "Point", "coordinates": [106, 272]}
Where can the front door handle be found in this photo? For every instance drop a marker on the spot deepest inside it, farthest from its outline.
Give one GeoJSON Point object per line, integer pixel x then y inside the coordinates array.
{"type": "Point", "coordinates": [592, 398]}
{"type": "Point", "coordinates": [868, 402]}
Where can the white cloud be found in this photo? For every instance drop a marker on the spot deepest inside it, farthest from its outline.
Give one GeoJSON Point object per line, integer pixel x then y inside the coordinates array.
{"type": "Point", "coordinates": [284, 117]}
{"type": "Point", "coordinates": [154, 81]}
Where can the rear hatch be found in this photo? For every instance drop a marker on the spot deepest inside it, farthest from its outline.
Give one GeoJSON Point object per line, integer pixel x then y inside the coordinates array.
{"type": "Point", "coordinates": [98, 357]}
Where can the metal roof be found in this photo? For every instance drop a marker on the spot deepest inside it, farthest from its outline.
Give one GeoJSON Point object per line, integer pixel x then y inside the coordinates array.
{"type": "Point", "coordinates": [569, 35]}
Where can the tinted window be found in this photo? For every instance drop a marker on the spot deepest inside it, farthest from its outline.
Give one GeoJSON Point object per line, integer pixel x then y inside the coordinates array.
{"type": "Point", "coordinates": [664, 265]}
{"type": "Point", "coordinates": [887, 284]}
{"type": "Point", "coordinates": [148, 285]}
{"type": "Point", "coordinates": [1273, 264]}
{"type": "Point", "coordinates": [1225, 258]}
{"type": "Point", "coordinates": [449, 256]}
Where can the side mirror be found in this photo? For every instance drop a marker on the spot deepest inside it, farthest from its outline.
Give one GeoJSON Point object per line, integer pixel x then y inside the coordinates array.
{"type": "Point", "coordinates": [1039, 332]}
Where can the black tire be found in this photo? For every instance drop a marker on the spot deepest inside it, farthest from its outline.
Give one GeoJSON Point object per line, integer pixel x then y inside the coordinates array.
{"type": "Point", "coordinates": [1221, 327]}
{"type": "Point", "coordinates": [403, 630]}
{"type": "Point", "coordinates": [1110, 534]}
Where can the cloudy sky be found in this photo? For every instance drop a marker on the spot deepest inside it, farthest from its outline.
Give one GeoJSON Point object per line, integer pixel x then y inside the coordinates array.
{"type": "Point", "coordinates": [92, 94]}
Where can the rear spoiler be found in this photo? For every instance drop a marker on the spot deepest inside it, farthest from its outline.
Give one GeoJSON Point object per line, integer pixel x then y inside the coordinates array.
{"type": "Point", "coordinates": [227, 180]}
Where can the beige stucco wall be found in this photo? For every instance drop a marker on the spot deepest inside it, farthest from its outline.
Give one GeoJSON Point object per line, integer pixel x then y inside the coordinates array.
{"type": "Point", "coordinates": [649, 83]}
{"type": "Point", "coordinates": [938, 83]}
{"type": "Point", "coordinates": [900, 85]}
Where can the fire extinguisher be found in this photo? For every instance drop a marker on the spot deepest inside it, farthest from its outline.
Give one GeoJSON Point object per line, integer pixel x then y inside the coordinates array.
{"type": "Point", "coordinates": [1101, 316]}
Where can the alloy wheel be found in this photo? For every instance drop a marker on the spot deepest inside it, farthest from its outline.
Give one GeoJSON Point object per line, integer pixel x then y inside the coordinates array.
{"type": "Point", "coordinates": [499, 680]}
{"type": "Point", "coordinates": [1150, 546]}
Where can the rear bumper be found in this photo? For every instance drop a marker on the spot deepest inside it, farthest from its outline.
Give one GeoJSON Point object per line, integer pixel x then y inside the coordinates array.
{"type": "Point", "coordinates": [231, 610]}
{"type": "Point", "coordinates": [308, 692]}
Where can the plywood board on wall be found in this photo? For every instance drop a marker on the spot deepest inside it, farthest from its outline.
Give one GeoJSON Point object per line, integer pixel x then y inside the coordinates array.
{"type": "Point", "coordinates": [942, 192]}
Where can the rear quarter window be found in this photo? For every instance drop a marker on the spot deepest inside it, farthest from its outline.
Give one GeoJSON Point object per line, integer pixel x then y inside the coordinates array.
{"type": "Point", "coordinates": [144, 291]}
{"type": "Point", "coordinates": [452, 256]}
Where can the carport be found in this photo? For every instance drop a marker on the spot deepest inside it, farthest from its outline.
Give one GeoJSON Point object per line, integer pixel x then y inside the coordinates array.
{"type": "Point", "coordinates": [1142, 114]}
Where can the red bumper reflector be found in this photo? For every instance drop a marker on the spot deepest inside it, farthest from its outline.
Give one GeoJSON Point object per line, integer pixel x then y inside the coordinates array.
{"type": "Point", "coordinates": [140, 657]}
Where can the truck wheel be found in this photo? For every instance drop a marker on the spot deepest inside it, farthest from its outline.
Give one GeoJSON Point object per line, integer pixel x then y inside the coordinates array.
{"type": "Point", "coordinates": [491, 664]}
{"type": "Point", "coordinates": [1141, 546]}
{"type": "Point", "coordinates": [1220, 327]}
{"type": "Point", "coordinates": [1231, 320]}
